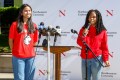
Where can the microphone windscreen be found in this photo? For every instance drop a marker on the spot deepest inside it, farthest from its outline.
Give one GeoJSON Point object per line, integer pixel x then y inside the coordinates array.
{"type": "Point", "coordinates": [72, 31]}
{"type": "Point", "coordinates": [49, 27]}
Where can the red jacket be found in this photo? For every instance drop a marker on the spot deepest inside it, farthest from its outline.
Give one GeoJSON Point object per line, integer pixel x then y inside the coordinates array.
{"type": "Point", "coordinates": [97, 43]}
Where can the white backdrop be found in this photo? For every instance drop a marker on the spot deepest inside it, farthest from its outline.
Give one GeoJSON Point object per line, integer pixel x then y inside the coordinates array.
{"type": "Point", "coordinates": [70, 14]}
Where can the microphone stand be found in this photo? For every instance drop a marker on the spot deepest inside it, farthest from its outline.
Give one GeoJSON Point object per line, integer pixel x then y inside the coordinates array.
{"type": "Point", "coordinates": [55, 39]}
{"type": "Point", "coordinates": [87, 49]}
{"type": "Point", "coordinates": [48, 60]}
{"type": "Point", "coordinates": [48, 55]}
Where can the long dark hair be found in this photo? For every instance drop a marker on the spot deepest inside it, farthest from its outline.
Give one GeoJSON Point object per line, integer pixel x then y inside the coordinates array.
{"type": "Point", "coordinates": [99, 24]}
{"type": "Point", "coordinates": [20, 20]}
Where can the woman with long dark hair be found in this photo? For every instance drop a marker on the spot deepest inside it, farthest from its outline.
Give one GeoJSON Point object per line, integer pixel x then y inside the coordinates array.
{"type": "Point", "coordinates": [96, 38]}
{"type": "Point", "coordinates": [22, 38]}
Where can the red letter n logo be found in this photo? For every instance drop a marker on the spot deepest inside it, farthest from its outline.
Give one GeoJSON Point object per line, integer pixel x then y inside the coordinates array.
{"type": "Point", "coordinates": [42, 72]}
{"type": "Point", "coordinates": [61, 13]}
{"type": "Point", "coordinates": [109, 13]}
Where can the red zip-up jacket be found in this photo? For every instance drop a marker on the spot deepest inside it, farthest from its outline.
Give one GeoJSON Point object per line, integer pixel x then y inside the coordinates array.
{"type": "Point", "coordinates": [97, 43]}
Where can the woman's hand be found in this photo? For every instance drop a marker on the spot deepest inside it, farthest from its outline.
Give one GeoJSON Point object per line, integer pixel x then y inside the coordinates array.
{"type": "Point", "coordinates": [107, 64]}
{"type": "Point", "coordinates": [85, 32]}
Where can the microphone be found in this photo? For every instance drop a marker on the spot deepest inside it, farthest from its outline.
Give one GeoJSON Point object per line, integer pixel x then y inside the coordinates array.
{"type": "Point", "coordinates": [53, 30]}
{"type": "Point", "coordinates": [39, 35]}
{"type": "Point", "coordinates": [74, 31]}
{"type": "Point", "coordinates": [49, 28]}
{"type": "Point", "coordinates": [58, 30]}
{"type": "Point", "coordinates": [40, 28]}
{"type": "Point", "coordinates": [86, 30]}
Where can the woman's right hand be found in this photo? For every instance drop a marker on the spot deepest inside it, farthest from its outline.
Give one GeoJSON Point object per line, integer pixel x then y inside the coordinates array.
{"type": "Point", "coordinates": [85, 32]}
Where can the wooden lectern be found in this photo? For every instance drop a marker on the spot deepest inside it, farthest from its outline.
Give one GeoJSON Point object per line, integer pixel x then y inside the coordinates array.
{"type": "Point", "coordinates": [57, 50]}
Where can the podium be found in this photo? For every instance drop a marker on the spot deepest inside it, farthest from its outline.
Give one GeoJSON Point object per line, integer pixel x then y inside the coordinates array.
{"type": "Point", "coordinates": [58, 50]}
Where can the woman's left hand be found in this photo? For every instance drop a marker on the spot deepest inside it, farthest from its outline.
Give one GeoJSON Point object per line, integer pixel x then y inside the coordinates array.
{"type": "Point", "coordinates": [107, 64]}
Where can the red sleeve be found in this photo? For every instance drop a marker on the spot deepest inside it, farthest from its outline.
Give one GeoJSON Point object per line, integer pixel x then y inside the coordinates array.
{"type": "Point", "coordinates": [104, 45]}
{"type": "Point", "coordinates": [80, 37]}
{"type": "Point", "coordinates": [35, 34]}
{"type": "Point", "coordinates": [12, 30]}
